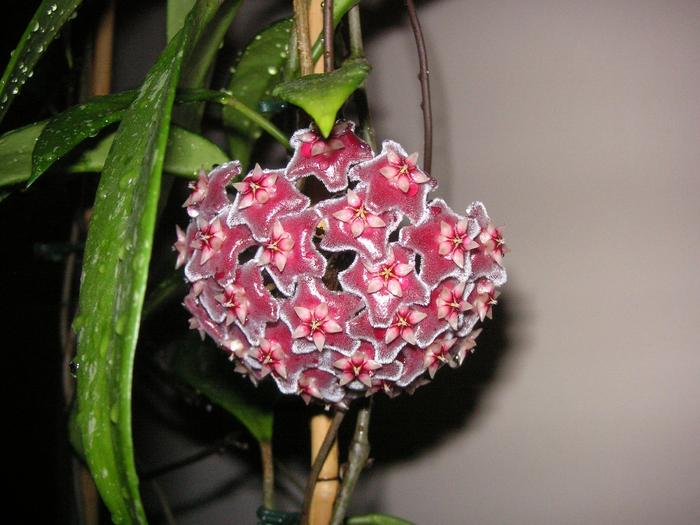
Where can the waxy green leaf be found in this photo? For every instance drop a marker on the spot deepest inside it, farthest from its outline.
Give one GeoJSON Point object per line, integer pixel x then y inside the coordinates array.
{"type": "Point", "coordinates": [322, 95]}
{"type": "Point", "coordinates": [185, 155]}
{"type": "Point", "coordinates": [209, 371]}
{"type": "Point", "coordinates": [41, 31]}
{"type": "Point", "coordinates": [16, 148]}
{"type": "Point", "coordinates": [67, 130]}
{"type": "Point", "coordinates": [115, 271]}
{"type": "Point", "coordinates": [257, 72]}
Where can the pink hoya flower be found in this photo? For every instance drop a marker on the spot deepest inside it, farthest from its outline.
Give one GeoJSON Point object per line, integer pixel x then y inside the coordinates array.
{"type": "Point", "coordinates": [403, 172]}
{"type": "Point", "coordinates": [438, 353]}
{"type": "Point", "coordinates": [235, 300]}
{"type": "Point", "coordinates": [270, 355]}
{"type": "Point", "coordinates": [403, 325]}
{"type": "Point", "coordinates": [451, 304]}
{"type": "Point", "coordinates": [455, 241]}
{"type": "Point", "coordinates": [327, 159]}
{"type": "Point", "coordinates": [357, 367]}
{"type": "Point", "coordinates": [199, 190]}
{"type": "Point", "coordinates": [319, 296]}
{"type": "Point", "coordinates": [277, 249]}
{"type": "Point", "coordinates": [257, 187]}
{"type": "Point", "coordinates": [483, 298]}
{"type": "Point", "coordinates": [356, 215]}
{"type": "Point", "coordinates": [315, 324]}
{"type": "Point", "coordinates": [394, 182]}
{"type": "Point", "coordinates": [208, 239]}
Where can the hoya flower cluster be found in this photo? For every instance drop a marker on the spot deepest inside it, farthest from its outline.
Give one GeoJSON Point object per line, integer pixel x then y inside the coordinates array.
{"type": "Point", "coordinates": [370, 289]}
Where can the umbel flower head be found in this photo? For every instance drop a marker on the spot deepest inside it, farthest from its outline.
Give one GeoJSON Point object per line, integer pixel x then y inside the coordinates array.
{"type": "Point", "coordinates": [371, 289]}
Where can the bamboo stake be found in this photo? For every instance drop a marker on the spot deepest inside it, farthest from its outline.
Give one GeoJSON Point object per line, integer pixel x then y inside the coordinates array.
{"type": "Point", "coordinates": [101, 74]}
{"type": "Point", "coordinates": [316, 27]}
{"type": "Point", "coordinates": [327, 484]}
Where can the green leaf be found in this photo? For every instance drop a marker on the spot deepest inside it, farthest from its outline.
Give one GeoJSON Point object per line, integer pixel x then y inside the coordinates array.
{"type": "Point", "coordinates": [257, 72]}
{"type": "Point", "coordinates": [209, 371]}
{"type": "Point", "coordinates": [321, 96]}
{"type": "Point", "coordinates": [41, 31]}
{"type": "Point", "coordinates": [68, 129]}
{"type": "Point", "coordinates": [16, 148]}
{"type": "Point", "coordinates": [199, 62]}
{"type": "Point", "coordinates": [185, 155]}
{"type": "Point", "coordinates": [376, 519]}
{"type": "Point", "coordinates": [175, 15]}
{"type": "Point", "coordinates": [115, 271]}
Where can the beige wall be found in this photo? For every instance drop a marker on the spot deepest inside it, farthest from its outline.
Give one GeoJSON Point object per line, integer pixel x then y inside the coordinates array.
{"type": "Point", "coordinates": [578, 124]}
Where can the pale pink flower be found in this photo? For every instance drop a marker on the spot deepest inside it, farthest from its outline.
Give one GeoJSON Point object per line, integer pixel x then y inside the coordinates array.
{"type": "Point", "coordinates": [357, 215]}
{"type": "Point", "coordinates": [199, 191]}
{"type": "Point", "coordinates": [278, 248]}
{"type": "Point", "coordinates": [181, 247]}
{"type": "Point", "coordinates": [388, 276]}
{"type": "Point", "coordinates": [403, 325]}
{"type": "Point", "coordinates": [236, 302]}
{"type": "Point", "coordinates": [466, 344]}
{"type": "Point", "coordinates": [438, 353]}
{"type": "Point", "coordinates": [208, 239]}
{"type": "Point", "coordinates": [270, 355]}
{"type": "Point", "coordinates": [315, 324]}
{"type": "Point", "coordinates": [451, 304]}
{"type": "Point", "coordinates": [455, 242]}
{"type": "Point", "coordinates": [491, 238]}
{"type": "Point", "coordinates": [308, 388]}
{"type": "Point", "coordinates": [356, 367]}
{"type": "Point", "coordinates": [403, 172]}
{"type": "Point", "coordinates": [256, 187]}
{"type": "Point", "coordinates": [483, 298]}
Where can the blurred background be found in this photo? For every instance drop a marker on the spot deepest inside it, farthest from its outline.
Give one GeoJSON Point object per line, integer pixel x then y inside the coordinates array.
{"type": "Point", "coordinates": [578, 124]}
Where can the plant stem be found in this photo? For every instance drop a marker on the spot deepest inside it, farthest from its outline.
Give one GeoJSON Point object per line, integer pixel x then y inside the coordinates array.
{"type": "Point", "coordinates": [357, 49]}
{"type": "Point", "coordinates": [227, 98]}
{"type": "Point", "coordinates": [328, 36]}
{"type": "Point", "coordinates": [424, 87]}
{"type": "Point", "coordinates": [301, 25]}
{"type": "Point", "coordinates": [268, 469]}
{"type": "Point", "coordinates": [357, 458]}
{"type": "Point", "coordinates": [319, 461]}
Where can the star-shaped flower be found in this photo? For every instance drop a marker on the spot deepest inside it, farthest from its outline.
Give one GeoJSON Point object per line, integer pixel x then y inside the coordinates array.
{"type": "Point", "coordinates": [450, 302]}
{"type": "Point", "coordinates": [465, 345]}
{"type": "Point", "coordinates": [244, 301]}
{"type": "Point", "coordinates": [438, 354]}
{"type": "Point", "coordinates": [199, 190]}
{"type": "Point", "coordinates": [222, 262]}
{"type": "Point", "coordinates": [357, 367]}
{"type": "Point", "coordinates": [277, 248]}
{"type": "Point", "coordinates": [268, 196]}
{"type": "Point", "coordinates": [182, 245]}
{"type": "Point", "coordinates": [486, 261]}
{"type": "Point", "coordinates": [350, 226]}
{"type": "Point", "coordinates": [403, 324]}
{"type": "Point", "coordinates": [394, 182]}
{"type": "Point", "coordinates": [327, 159]}
{"type": "Point", "coordinates": [359, 327]}
{"type": "Point", "coordinates": [317, 317]}
{"type": "Point", "coordinates": [319, 384]}
{"type": "Point", "coordinates": [207, 239]}
{"type": "Point", "coordinates": [385, 285]}
{"type": "Point", "coordinates": [483, 298]}
{"type": "Point", "coordinates": [443, 240]}
{"type": "Point", "coordinates": [298, 257]}
{"type": "Point", "coordinates": [256, 187]}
